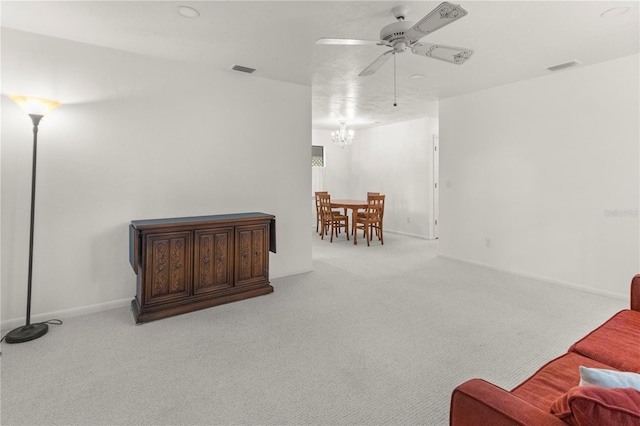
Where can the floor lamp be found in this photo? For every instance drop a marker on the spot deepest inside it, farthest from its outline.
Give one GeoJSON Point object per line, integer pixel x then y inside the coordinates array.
{"type": "Point", "coordinates": [36, 108]}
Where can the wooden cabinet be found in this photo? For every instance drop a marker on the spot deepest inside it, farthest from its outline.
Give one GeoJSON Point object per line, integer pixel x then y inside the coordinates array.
{"type": "Point", "coordinates": [185, 264]}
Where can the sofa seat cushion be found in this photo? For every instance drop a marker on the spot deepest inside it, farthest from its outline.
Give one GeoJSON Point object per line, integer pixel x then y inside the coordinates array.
{"type": "Point", "coordinates": [615, 343]}
{"type": "Point", "coordinates": [598, 406]}
{"type": "Point", "coordinates": [554, 379]}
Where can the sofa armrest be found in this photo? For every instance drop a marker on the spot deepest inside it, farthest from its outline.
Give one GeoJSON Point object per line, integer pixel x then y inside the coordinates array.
{"type": "Point", "coordinates": [480, 403]}
{"type": "Point", "coordinates": [635, 293]}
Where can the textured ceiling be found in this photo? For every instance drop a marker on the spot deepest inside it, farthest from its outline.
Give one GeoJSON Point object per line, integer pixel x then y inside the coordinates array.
{"type": "Point", "coordinates": [512, 41]}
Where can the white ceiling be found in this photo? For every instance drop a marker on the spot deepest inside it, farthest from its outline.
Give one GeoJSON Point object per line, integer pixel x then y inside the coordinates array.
{"type": "Point", "coordinates": [512, 41]}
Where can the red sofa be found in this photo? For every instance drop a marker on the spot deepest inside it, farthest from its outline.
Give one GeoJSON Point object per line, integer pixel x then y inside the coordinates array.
{"type": "Point", "coordinates": [552, 396]}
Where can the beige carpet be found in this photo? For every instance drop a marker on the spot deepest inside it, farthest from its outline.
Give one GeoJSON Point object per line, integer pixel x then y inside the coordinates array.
{"type": "Point", "coordinates": [375, 335]}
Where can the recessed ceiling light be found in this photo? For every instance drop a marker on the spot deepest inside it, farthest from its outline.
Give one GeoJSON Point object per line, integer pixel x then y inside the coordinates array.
{"type": "Point", "coordinates": [616, 11]}
{"type": "Point", "coordinates": [188, 12]}
{"type": "Point", "coordinates": [417, 76]}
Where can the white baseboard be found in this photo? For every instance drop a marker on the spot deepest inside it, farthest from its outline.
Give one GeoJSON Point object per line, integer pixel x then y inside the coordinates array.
{"type": "Point", "coordinates": [407, 234]}
{"type": "Point", "coordinates": [67, 313]}
{"type": "Point", "coordinates": [92, 309]}
{"type": "Point", "coordinates": [548, 280]}
{"type": "Point", "coordinates": [297, 272]}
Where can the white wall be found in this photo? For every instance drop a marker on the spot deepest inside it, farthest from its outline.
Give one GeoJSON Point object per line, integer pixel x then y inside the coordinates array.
{"type": "Point", "coordinates": [138, 138]}
{"type": "Point", "coordinates": [547, 171]}
{"type": "Point", "coordinates": [396, 160]}
{"type": "Point", "coordinates": [337, 164]}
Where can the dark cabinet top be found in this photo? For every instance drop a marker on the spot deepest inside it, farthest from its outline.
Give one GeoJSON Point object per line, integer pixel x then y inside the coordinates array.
{"type": "Point", "coordinates": [196, 220]}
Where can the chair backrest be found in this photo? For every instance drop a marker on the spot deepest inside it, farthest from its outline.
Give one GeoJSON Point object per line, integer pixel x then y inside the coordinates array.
{"type": "Point", "coordinates": [325, 204]}
{"type": "Point", "coordinates": [375, 206]}
{"type": "Point", "coordinates": [318, 200]}
{"type": "Point", "coordinates": [369, 194]}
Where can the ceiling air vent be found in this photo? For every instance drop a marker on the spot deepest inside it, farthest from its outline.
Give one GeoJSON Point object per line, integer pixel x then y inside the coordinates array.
{"type": "Point", "coordinates": [564, 66]}
{"type": "Point", "coordinates": [243, 69]}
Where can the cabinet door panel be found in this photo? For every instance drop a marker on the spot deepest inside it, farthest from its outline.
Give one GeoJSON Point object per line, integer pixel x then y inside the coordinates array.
{"type": "Point", "coordinates": [251, 254]}
{"type": "Point", "coordinates": [168, 271]}
{"type": "Point", "coordinates": [213, 260]}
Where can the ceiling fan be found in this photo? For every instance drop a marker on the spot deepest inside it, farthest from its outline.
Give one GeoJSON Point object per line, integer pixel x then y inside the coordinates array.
{"type": "Point", "coordinates": [403, 35]}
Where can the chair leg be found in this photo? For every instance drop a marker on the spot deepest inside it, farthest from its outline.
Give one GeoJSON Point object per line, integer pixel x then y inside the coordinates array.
{"type": "Point", "coordinates": [346, 227]}
{"type": "Point", "coordinates": [365, 232]}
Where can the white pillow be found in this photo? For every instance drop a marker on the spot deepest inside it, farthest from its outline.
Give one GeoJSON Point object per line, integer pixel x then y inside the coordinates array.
{"type": "Point", "coordinates": [608, 378]}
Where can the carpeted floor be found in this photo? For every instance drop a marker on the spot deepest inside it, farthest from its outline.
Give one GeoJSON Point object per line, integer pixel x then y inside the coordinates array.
{"type": "Point", "coordinates": [375, 335]}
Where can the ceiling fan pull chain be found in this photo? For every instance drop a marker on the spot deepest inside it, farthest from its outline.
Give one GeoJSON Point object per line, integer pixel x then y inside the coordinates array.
{"type": "Point", "coordinates": [395, 96]}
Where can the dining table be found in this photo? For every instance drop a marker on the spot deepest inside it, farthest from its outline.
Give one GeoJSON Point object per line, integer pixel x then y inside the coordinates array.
{"type": "Point", "coordinates": [346, 204]}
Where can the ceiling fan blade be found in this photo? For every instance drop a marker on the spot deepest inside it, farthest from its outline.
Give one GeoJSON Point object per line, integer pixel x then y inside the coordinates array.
{"type": "Point", "coordinates": [351, 42]}
{"type": "Point", "coordinates": [442, 15]}
{"type": "Point", "coordinates": [375, 65]}
{"type": "Point", "coordinates": [455, 55]}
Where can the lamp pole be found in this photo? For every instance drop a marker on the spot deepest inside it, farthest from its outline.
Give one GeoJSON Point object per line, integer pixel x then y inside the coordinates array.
{"type": "Point", "coordinates": [36, 120]}
{"type": "Point", "coordinates": [31, 331]}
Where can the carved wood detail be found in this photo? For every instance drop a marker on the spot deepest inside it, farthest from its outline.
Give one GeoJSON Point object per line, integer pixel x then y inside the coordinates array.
{"type": "Point", "coordinates": [252, 254]}
{"type": "Point", "coordinates": [206, 263]}
{"type": "Point", "coordinates": [257, 237]}
{"type": "Point", "coordinates": [169, 266]}
{"type": "Point", "coordinates": [245, 258]}
{"type": "Point", "coordinates": [222, 258]}
{"type": "Point", "coordinates": [213, 255]}
{"type": "Point", "coordinates": [159, 268]}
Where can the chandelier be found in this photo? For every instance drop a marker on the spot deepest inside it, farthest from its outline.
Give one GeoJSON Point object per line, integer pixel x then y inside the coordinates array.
{"type": "Point", "coordinates": [342, 136]}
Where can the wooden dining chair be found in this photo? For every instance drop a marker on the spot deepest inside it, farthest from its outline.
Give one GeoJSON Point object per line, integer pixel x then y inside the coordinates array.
{"type": "Point", "coordinates": [378, 226]}
{"type": "Point", "coordinates": [361, 213]}
{"type": "Point", "coordinates": [318, 211]}
{"type": "Point", "coordinates": [371, 219]}
{"type": "Point", "coordinates": [331, 220]}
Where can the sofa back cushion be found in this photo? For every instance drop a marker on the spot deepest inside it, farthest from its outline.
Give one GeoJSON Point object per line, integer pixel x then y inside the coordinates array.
{"type": "Point", "coordinates": [615, 343]}
{"type": "Point", "coordinates": [597, 406]}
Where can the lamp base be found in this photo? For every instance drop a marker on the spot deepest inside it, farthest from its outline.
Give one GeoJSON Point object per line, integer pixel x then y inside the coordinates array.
{"type": "Point", "coordinates": [26, 333]}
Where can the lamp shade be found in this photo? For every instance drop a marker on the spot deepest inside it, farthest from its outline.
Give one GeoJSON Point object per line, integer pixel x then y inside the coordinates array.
{"type": "Point", "coordinates": [35, 106]}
